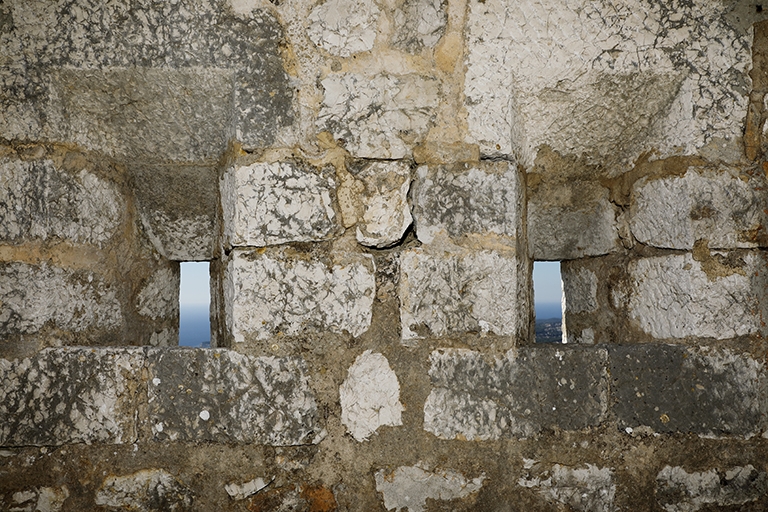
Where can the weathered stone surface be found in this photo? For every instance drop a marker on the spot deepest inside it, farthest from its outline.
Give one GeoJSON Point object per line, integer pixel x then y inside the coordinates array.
{"type": "Point", "coordinates": [266, 292]}
{"type": "Point", "coordinates": [606, 79]}
{"type": "Point", "coordinates": [35, 296]}
{"type": "Point", "coordinates": [589, 489]}
{"type": "Point", "coordinates": [721, 205]}
{"type": "Point", "coordinates": [419, 24]}
{"type": "Point", "coordinates": [159, 298]}
{"type": "Point", "coordinates": [572, 220]}
{"type": "Point", "coordinates": [148, 489]}
{"type": "Point", "coordinates": [224, 396]}
{"type": "Point", "coordinates": [384, 116]}
{"type": "Point", "coordinates": [515, 396]}
{"type": "Point", "coordinates": [469, 199]}
{"type": "Point", "coordinates": [673, 388]}
{"type": "Point", "coordinates": [370, 396]}
{"type": "Point", "coordinates": [579, 290]}
{"type": "Point", "coordinates": [75, 395]}
{"type": "Point", "coordinates": [716, 296]}
{"type": "Point", "coordinates": [39, 499]}
{"type": "Point", "coordinates": [270, 204]}
{"type": "Point", "coordinates": [680, 491]}
{"type": "Point", "coordinates": [386, 212]}
{"type": "Point", "coordinates": [450, 293]}
{"type": "Point", "coordinates": [39, 201]}
{"type": "Point", "coordinates": [344, 27]}
{"type": "Point", "coordinates": [241, 491]}
{"type": "Point", "coordinates": [409, 487]}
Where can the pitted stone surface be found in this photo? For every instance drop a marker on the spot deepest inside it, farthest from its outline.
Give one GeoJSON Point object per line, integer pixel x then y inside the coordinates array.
{"type": "Point", "coordinates": [223, 396]}
{"type": "Point", "coordinates": [589, 489]}
{"type": "Point", "coordinates": [419, 24]}
{"type": "Point", "coordinates": [680, 491]}
{"type": "Point", "coordinates": [608, 79]}
{"type": "Point", "coordinates": [370, 396]}
{"type": "Point", "coordinates": [42, 499]}
{"type": "Point", "coordinates": [386, 212]}
{"type": "Point", "coordinates": [160, 295]}
{"type": "Point", "coordinates": [33, 296]}
{"type": "Point", "coordinates": [384, 116]}
{"type": "Point", "coordinates": [153, 490]}
{"type": "Point", "coordinates": [40, 201]}
{"type": "Point", "coordinates": [269, 204]}
{"type": "Point", "coordinates": [270, 292]}
{"type": "Point", "coordinates": [409, 487]}
{"type": "Point", "coordinates": [450, 293]}
{"type": "Point", "coordinates": [674, 297]}
{"type": "Point", "coordinates": [515, 396]}
{"type": "Point", "coordinates": [672, 388]}
{"type": "Point", "coordinates": [344, 27]}
{"type": "Point", "coordinates": [468, 199]}
{"type": "Point", "coordinates": [74, 395]}
{"type": "Point", "coordinates": [579, 290]}
{"type": "Point", "coordinates": [728, 209]}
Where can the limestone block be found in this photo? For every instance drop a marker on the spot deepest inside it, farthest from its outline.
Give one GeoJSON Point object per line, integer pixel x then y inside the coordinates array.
{"type": "Point", "coordinates": [671, 388]}
{"type": "Point", "coordinates": [607, 80]}
{"type": "Point", "coordinates": [370, 396]}
{"type": "Point", "coordinates": [409, 487]}
{"type": "Point", "coordinates": [344, 27]}
{"type": "Point", "coordinates": [43, 499]}
{"type": "Point", "coordinates": [153, 490]}
{"type": "Point", "coordinates": [515, 396]}
{"type": "Point", "coordinates": [74, 395]}
{"type": "Point", "coordinates": [159, 297]}
{"type": "Point", "coordinates": [35, 296]}
{"type": "Point", "coordinates": [589, 489]}
{"type": "Point", "coordinates": [571, 220]}
{"type": "Point", "coordinates": [469, 199]}
{"type": "Point", "coordinates": [722, 206]}
{"type": "Point", "coordinates": [579, 290]}
{"type": "Point", "coordinates": [269, 204]}
{"type": "Point", "coordinates": [386, 212]}
{"type": "Point", "coordinates": [450, 293]}
{"type": "Point", "coordinates": [276, 291]}
{"type": "Point", "coordinates": [419, 24]}
{"type": "Point", "coordinates": [715, 296]}
{"type": "Point", "coordinates": [384, 116]}
{"type": "Point", "coordinates": [223, 396]}
{"type": "Point", "coordinates": [39, 201]}
{"type": "Point", "coordinates": [680, 491]}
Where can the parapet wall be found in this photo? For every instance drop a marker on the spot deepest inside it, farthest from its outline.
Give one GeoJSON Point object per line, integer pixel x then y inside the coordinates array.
{"type": "Point", "coordinates": [372, 182]}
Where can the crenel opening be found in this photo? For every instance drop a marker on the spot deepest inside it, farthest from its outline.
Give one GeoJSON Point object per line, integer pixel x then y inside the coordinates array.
{"type": "Point", "coordinates": [194, 305]}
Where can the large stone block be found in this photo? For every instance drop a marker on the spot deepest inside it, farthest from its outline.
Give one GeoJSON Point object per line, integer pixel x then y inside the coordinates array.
{"type": "Point", "coordinates": [281, 292]}
{"type": "Point", "coordinates": [516, 396]}
{"type": "Point", "coordinates": [75, 395]}
{"type": "Point", "coordinates": [384, 116]}
{"type": "Point", "coordinates": [680, 491]}
{"type": "Point", "coordinates": [409, 487]}
{"type": "Point", "coordinates": [269, 204]}
{"type": "Point", "coordinates": [386, 212]}
{"type": "Point", "coordinates": [224, 396]}
{"type": "Point", "coordinates": [344, 27]}
{"type": "Point", "coordinates": [727, 208]}
{"type": "Point", "coordinates": [153, 490]}
{"type": "Point", "coordinates": [670, 388]}
{"type": "Point", "coordinates": [419, 24]}
{"type": "Point", "coordinates": [586, 489]}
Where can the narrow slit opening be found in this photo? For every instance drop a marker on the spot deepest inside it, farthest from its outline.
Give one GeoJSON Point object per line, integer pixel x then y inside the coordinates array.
{"type": "Point", "coordinates": [548, 299]}
{"type": "Point", "coordinates": [195, 305]}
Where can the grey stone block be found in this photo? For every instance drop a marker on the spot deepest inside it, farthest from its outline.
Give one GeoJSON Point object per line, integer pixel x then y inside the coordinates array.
{"type": "Point", "coordinates": [671, 388]}
{"type": "Point", "coordinates": [680, 491]}
{"type": "Point", "coordinates": [75, 395]}
{"type": "Point", "coordinates": [386, 212]}
{"type": "Point", "coordinates": [227, 397]}
{"type": "Point", "coordinates": [586, 489]}
{"type": "Point", "coordinates": [153, 490]}
{"type": "Point", "coordinates": [419, 24]}
{"type": "Point", "coordinates": [515, 396]}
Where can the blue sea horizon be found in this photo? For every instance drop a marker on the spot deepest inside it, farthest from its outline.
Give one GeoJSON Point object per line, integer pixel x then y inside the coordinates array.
{"type": "Point", "coordinates": [194, 325]}
{"type": "Point", "coordinates": [546, 310]}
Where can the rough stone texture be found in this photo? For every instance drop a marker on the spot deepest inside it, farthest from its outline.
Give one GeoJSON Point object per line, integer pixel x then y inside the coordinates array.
{"type": "Point", "coordinates": [469, 199]}
{"type": "Point", "coordinates": [242, 491]}
{"type": "Point", "coordinates": [589, 489]}
{"type": "Point", "coordinates": [75, 395]}
{"type": "Point", "coordinates": [160, 295]}
{"type": "Point", "coordinates": [223, 396]}
{"type": "Point", "coordinates": [149, 489]}
{"type": "Point", "coordinates": [370, 396]}
{"type": "Point", "coordinates": [727, 208]}
{"type": "Point", "coordinates": [450, 293]}
{"type": "Point", "coordinates": [682, 295]}
{"type": "Point", "coordinates": [39, 201]}
{"type": "Point", "coordinates": [515, 396]}
{"type": "Point", "coordinates": [280, 291]}
{"type": "Point", "coordinates": [419, 24]}
{"type": "Point", "coordinates": [606, 79]}
{"type": "Point", "coordinates": [409, 487]}
{"type": "Point", "coordinates": [269, 204]}
{"type": "Point", "coordinates": [579, 290]}
{"type": "Point", "coordinates": [384, 116]}
{"type": "Point", "coordinates": [386, 212]}
{"type": "Point", "coordinates": [571, 220]}
{"type": "Point", "coordinates": [680, 491]}
{"type": "Point", "coordinates": [344, 27]}
{"type": "Point", "coordinates": [669, 388]}
{"type": "Point", "coordinates": [40, 499]}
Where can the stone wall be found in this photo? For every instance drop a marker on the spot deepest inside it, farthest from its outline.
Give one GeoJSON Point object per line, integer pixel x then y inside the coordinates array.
{"type": "Point", "coordinates": [372, 181]}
